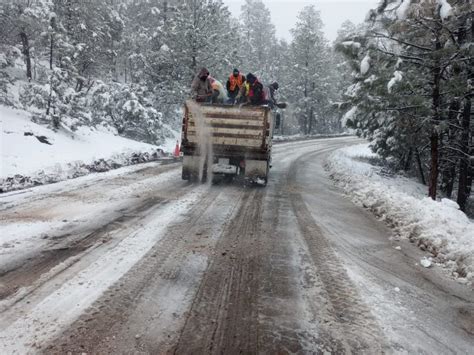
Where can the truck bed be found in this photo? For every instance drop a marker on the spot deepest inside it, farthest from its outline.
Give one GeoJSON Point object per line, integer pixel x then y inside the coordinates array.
{"type": "Point", "coordinates": [226, 140]}
{"type": "Point", "coordinates": [230, 128]}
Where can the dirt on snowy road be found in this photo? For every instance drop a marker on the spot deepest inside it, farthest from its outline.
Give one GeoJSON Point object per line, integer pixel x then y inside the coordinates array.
{"type": "Point", "coordinates": [138, 261]}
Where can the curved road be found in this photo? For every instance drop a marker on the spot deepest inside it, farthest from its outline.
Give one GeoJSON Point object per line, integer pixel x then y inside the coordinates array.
{"type": "Point", "coordinates": [138, 261]}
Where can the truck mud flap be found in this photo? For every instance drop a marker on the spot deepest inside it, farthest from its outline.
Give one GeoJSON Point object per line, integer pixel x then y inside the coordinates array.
{"type": "Point", "coordinates": [256, 168]}
{"type": "Point", "coordinates": [191, 165]}
{"type": "Point", "coordinates": [256, 171]}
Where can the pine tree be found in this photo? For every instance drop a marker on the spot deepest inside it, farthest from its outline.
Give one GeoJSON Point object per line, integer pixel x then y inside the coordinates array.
{"type": "Point", "coordinates": [410, 97]}
{"type": "Point", "coordinates": [310, 72]}
{"type": "Point", "coordinates": [258, 40]}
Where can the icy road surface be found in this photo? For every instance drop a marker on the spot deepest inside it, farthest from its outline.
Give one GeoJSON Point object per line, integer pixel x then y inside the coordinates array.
{"type": "Point", "coordinates": [138, 261]}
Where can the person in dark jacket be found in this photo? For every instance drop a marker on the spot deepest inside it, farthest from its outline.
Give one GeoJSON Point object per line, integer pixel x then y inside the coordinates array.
{"type": "Point", "coordinates": [273, 87]}
{"type": "Point", "coordinates": [234, 85]}
{"type": "Point", "coordinates": [255, 95]}
{"type": "Point", "coordinates": [270, 94]}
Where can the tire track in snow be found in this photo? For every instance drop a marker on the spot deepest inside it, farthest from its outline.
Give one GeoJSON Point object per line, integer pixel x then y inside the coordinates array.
{"type": "Point", "coordinates": [66, 243]}
{"type": "Point", "coordinates": [32, 269]}
{"type": "Point", "coordinates": [151, 300]}
{"type": "Point", "coordinates": [223, 317]}
{"type": "Point", "coordinates": [286, 322]}
{"type": "Point", "coordinates": [59, 309]}
{"type": "Point", "coordinates": [351, 322]}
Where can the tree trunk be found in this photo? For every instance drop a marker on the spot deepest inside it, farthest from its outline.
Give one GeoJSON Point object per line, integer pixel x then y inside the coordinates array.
{"type": "Point", "coordinates": [51, 53]}
{"type": "Point", "coordinates": [464, 163]}
{"type": "Point", "coordinates": [420, 167]}
{"type": "Point", "coordinates": [436, 105]}
{"type": "Point", "coordinates": [466, 169]}
{"type": "Point", "coordinates": [409, 157]}
{"type": "Point", "coordinates": [26, 53]}
{"type": "Point", "coordinates": [433, 183]}
{"type": "Point", "coordinates": [450, 182]}
{"type": "Point", "coordinates": [51, 45]}
{"type": "Point", "coordinates": [306, 114]}
{"type": "Point", "coordinates": [449, 161]}
{"type": "Point", "coordinates": [282, 120]}
{"type": "Point", "coordinates": [113, 61]}
{"type": "Point", "coordinates": [310, 123]}
{"type": "Point", "coordinates": [48, 109]}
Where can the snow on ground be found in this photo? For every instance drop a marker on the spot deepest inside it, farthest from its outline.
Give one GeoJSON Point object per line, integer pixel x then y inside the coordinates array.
{"type": "Point", "coordinates": [64, 306]}
{"type": "Point", "coordinates": [302, 137]}
{"type": "Point", "coordinates": [23, 237]}
{"type": "Point", "coordinates": [436, 226]}
{"type": "Point", "coordinates": [35, 153]}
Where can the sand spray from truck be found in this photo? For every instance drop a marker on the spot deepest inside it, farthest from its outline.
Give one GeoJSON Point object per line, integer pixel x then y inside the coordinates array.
{"type": "Point", "coordinates": [204, 137]}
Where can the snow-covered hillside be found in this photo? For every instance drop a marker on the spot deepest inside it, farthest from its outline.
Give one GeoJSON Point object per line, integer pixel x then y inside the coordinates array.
{"type": "Point", "coordinates": [33, 154]}
{"type": "Point", "coordinates": [436, 226]}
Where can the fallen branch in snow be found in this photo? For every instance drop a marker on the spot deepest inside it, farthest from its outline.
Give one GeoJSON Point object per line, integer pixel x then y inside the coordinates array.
{"type": "Point", "coordinates": [438, 227]}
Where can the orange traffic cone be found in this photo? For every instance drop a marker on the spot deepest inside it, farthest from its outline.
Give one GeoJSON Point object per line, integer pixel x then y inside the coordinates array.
{"type": "Point", "coordinates": [176, 150]}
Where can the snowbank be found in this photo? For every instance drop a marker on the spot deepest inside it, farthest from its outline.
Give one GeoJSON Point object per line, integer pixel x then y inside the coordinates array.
{"type": "Point", "coordinates": [436, 226]}
{"type": "Point", "coordinates": [303, 137]}
{"type": "Point", "coordinates": [33, 154]}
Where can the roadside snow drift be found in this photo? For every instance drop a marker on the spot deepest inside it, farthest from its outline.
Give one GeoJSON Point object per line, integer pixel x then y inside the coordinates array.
{"type": "Point", "coordinates": [436, 226]}
{"type": "Point", "coordinates": [33, 154]}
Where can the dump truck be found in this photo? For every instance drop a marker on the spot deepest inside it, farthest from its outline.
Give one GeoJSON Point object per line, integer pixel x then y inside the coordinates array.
{"type": "Point", "coordinates": [227, 141]}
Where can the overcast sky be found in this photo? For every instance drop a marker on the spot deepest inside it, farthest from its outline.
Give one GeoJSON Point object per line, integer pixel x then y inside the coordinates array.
{"type": "Point", "coordinates": [333, 13]}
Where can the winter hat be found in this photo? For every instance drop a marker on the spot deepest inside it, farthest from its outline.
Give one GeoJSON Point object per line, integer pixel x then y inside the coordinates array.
{"type": "Point", "coordinates": [274, 85]}
{"type": "Point", "coordinates": [204, 72]}
{"type": "Point", "coordinates": [235, 71]}
{"type": "Point", "coordinates": [251, 78]}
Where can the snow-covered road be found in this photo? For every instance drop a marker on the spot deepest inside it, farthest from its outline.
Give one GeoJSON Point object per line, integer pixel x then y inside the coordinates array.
{"type": "Point", "coordinates": [138, 261]}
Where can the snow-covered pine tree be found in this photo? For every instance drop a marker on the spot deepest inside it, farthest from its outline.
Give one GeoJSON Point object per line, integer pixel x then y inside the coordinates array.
{"type": "Point", "coordinates": [419, 52]}
{"type": "Point", "coordinates": [21, 24]}
{"type": "Point", "coordinates": [258, 42]}
{"type": "Point", "coordinates": [204, 36]}
{"type": "Point", "coordinates": [464, 17]}
{"type": "Point", "coordinates": [310, 74]}
{"type": "Point", "coordinates": [426, 35]}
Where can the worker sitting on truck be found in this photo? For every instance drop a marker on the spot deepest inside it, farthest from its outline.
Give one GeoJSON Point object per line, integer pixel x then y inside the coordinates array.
{"type": "Point", "coordinates": [243, 93]}
{"type": "Point", "coordinates": [255, 94]}
{"type": "Point", "coordinates": [234, 85]}
{"type": "Point", "coordinates": [201, 88]}
{"type": "Point", "coordinates": [219, 96]}
{"type": "Point", "coordinates": [269, 92]}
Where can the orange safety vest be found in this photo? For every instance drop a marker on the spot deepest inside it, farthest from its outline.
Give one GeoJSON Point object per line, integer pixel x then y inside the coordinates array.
{"type": "Point", "coordinates": [235, 81]}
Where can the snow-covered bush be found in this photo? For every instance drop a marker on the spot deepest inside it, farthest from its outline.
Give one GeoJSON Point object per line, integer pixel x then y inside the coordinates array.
{"type": "Point", "coordinates": [129, 111]}
{"type": "Point", "coordinates": [33, 95]}
{"type": "Point", "coordinates": [5, 97]}
{"type": "Point", "coordinates": [55, 99]}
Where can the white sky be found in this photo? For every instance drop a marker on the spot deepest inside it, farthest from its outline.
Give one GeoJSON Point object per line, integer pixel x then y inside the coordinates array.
{"type": "Point", "coordinates": [333, 13]}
